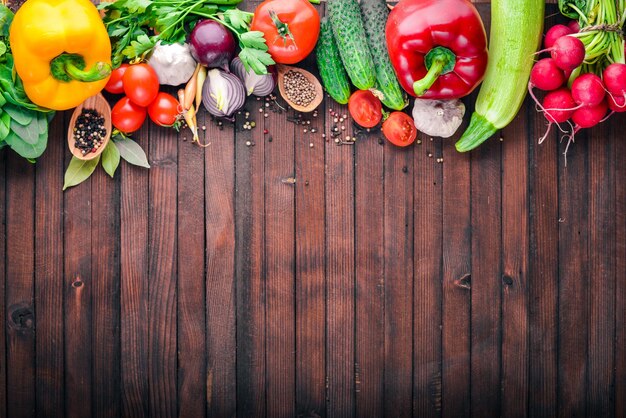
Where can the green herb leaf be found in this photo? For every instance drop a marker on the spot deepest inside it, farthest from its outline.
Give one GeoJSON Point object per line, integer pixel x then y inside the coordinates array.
{"type": "Point", "coordinates": [6, 17]}
{"type": "Point", "coordinates": [25, 149]}
{"type": "Point", "coordinates": [256, 60]}
{"type": "Point", "coordinates": [79, 171]}
{"type": "Point", "coordinates": [3, 49]}
{"type": "Point", "coordinates": [19, 115]}
{"type": "Point", "coordinates": [110, 158]}
{"type": "Point", "coordinates": [253, 39]}
{"type": "Point", "coordinates": [131, 152]}
{"type": "Point", "coordinates": [5, 125]}
{"type": "Point", "coordinates": [139, 48]}
{"type": "Point", "coordinates": [237, 19]}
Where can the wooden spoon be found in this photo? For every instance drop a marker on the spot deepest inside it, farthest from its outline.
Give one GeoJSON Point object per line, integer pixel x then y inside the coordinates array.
{"type": "Point", "coordinates": [100, 105]}
{"type": "Point", "coordinates": [319, 93]}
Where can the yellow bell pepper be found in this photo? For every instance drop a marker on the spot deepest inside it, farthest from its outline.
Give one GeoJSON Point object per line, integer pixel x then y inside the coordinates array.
{"type": "Point", "coordinates": [61, 51]}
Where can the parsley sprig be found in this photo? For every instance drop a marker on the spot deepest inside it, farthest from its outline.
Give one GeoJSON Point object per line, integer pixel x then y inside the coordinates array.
{"type": "Point", "coordinates": [135, 26]}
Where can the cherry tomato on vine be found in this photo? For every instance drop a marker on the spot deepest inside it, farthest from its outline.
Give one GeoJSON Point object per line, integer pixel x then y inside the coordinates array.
{"type": "Point", "coordinates": [164, 109]}
{"type": "Point", "coordinates": [141, 84]}
{"type": "Point", "coordinates": [127, 116]}
{"type": "Point", "coordinates": [399, 129]}
{"type": "Point", "coordinates": [365, 108]}
{"type": "Point", "coordinates": [115, 85]}
{"type": "Point", "coordinates": [291, 28]}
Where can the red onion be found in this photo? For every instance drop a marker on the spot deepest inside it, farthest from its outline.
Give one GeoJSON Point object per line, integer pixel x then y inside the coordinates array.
{"type": "Point", "coordinates": [211, 44]}
{"type": "Point", "coordinates": [259, 85]}
{"type": "Point", "coordinates": [223, 93]}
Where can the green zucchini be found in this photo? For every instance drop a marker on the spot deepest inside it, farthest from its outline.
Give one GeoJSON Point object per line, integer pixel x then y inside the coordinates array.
{"type": "Point", "coordinates": [516, 28]}
{"type": "Point", "coordinates": [347, 25]}
{"type": "Point", "coordinates": [334, 76]}
{"type": "Point", "coordinates": [375, 14]}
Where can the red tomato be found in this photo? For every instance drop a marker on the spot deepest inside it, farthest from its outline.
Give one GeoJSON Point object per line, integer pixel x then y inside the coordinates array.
{"type": "Point", "coordinates": [365, 108]}
{"type": "Point", "coordinates": [399, 129]}
{"type": "Point", "coordinates": [126, 116]}
{"type": "Point", "coordinates": [290, 27]}
{"type": "Point", "coordinates": [115, 85]}
{"type": "Point", "coordinates": [141, 84]}
{"type": "Point", "coordinates": [164, 109]}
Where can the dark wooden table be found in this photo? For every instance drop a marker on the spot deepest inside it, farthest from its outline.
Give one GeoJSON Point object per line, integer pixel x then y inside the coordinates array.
{"type": "Point", "coordinates": [296, 277]}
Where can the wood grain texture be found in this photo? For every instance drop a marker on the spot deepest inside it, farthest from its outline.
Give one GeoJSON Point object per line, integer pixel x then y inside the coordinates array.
{"type": "Point", "coordinates": [543, 273]}
{"type": "Point", "coordinates": [162, 251]}
{"type": "Point", "coordinates": [457, 283]}
{"type": "Point", "coordinates": [3, 350]}
{"type": "Point", "coordinates": [309, 274]}
{"type": "Point", "coordinates": [340, 270]}
{"type": "Point", "coordinates": [573, 278]}
{"type": "Point", "coordinates": [398, 274]}
{"type": "Point", "coordinates": [221, 287]}
{"type": "Point", "coordinates": [134, 285]}
{"type": "Point", "coordinates": [49, 284]}
{"type": "Point", "coordinates": [106, 288]}
{"type": "Point", "coordinates": [515, 236]}
{"type": "Point", "coordinates": [427, 265]}
{"type": "Point", "coordinates": [191, 291]}
{"type": "Point", "coordinates": [78, 289]}
{"type": "Point", "coordinates": [620, 270]}
{"type": "Point", "coordinates": [280, 303]}
{"type": "Point", "coordinates": [370, 275]}
{"type": "Point", "coordinates": [601, 362]}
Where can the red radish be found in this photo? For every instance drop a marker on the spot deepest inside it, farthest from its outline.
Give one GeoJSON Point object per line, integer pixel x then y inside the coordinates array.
{"type": "Point", "coordinates": [558, 107]}
{"type": "Point", "coordinates": [554, 33]}
{"type": "Point", "coordinates": [568, 52]}
{"type": "Point", "coordinates": [588, 90]}
{"type": "Point", "coordinates": [617, 103]}
{"type": "Point", "coordinates": [546, 75]}
{"type": "Point", "coordinates": [614, 77]}
{"type": "Point", "coordinates": [589, 116]}
{"type": "Point", "coordinates": [574, 26]}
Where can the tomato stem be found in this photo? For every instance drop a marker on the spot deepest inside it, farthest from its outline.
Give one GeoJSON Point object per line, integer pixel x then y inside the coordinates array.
{"type": "Point", "coordinates": [282, 27]}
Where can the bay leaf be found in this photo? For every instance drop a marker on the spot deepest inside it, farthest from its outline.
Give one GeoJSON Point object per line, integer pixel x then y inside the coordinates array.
{"type": "Point", "coordinates": [131, 152]}
{"type": "Point", "coordinates": [79, 171]}
{"type": "Point", "coordinates": [110, 158]}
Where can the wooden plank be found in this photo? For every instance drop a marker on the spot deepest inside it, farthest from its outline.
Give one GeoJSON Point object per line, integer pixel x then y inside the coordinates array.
{"type": "Point", "coordinates": [105, 300]}
{"type": "Point", "coordinates": [3, 254]}
{"type": "Point", "coordinates": [600, 357]}
{"type": "Point", "coordinates": [573, 278]}
{"type": "Point", "coordinates": [427, 264]}
{"type": "Point", "coordinates": [543, 272]}
{"type": "Point", "coordinates": [78, 285]}
{"type": "Point", "coordinates": [134, 284]}
{"type": "Point", "coordinates": [340, 270]}
{"type": "Point", "coordinates": [370, 284]}
{"type": "Point", "coordinates": [310, 279]}
{"type": "Point", "coordinates": [620, 270]}
{"type": "Point", "coordinates": [221, 288]}
{"type": "Point", "coordinates": [162, 250]}
{"type": "Point", "coordinates": [515, 239]}
{"type": "Point", "coordinates": [280, 265]}
{"type": "Point", "coordinates": [49, 285]}
{"type": "Point", "coordinates": [398, 269]}
{"type": "Point", "coordinates": [486, 279]}
{"type": "Point", "coordinates": [457, 282]}
{"type": "Point", "coordinates": [191, 315]}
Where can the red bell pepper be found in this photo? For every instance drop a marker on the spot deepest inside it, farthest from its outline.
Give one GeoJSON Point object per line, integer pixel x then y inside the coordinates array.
{"type": "Point", "coordinates": [438, 48]}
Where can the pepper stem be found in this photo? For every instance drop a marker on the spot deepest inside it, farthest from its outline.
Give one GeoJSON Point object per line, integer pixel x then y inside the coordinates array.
{"type": "Point", "coordinates": [68, 67]}
{"type": "Point", "coordinates": [438, 61]}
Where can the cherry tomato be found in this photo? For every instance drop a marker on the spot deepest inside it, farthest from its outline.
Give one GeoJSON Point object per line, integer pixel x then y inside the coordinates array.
{"type": "Point", "coordinates": [126, 116]}
{"type": "Point", "coordinates": [164, 109]}
{"type": "Point", "coordinates": [291, 28]}
{"type": "Point", "coordinates": [141, 84]}
{"type": "Point", "coordinates": [365, 108]}
{"type": "Point", "coordinates": [115, 85]}
{"type": "Point", "coordinates": [399, 129]}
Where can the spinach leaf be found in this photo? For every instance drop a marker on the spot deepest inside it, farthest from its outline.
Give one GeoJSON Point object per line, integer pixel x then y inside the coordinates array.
{"type": "Point", "coordinates": [25, 149]}
{"type": "Point", "coordinates": [6, 17]}
{"type": "Point", "coordinates": [19, 115]}
{"type": "Point", "coordinates": [5, 124]}
{"type": "Point", "coordinates": [28, 133]}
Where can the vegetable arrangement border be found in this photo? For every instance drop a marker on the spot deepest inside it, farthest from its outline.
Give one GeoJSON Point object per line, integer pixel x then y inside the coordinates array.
{"type": "Point", "coordinates": [434, 52]}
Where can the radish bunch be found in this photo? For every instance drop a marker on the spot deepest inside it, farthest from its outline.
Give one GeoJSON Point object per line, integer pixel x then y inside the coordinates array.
{"type": "Point", "coordinates": [581, 85]}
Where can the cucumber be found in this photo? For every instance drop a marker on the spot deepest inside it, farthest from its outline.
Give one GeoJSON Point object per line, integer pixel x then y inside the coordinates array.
{"type": "Point", "coordinates": [334, 76]}
{"type": "Point", "coordinates": [375, 14]}
{"type": "Point", "coordinates": [347, 25]}
{"type": "Point", "coordinates": [516, 28]}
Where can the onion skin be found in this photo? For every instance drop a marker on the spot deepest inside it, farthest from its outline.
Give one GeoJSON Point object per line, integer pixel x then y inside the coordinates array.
{"type": "Point", "coordinates": [223, 93]}
{"type": "Point", "coordinates": [258, 85]}
{"type": "Point", "coordinates": [211, 44]}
